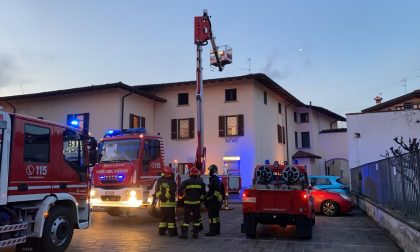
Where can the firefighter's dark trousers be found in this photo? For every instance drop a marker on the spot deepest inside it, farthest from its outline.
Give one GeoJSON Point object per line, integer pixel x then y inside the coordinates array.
{"type": "Point", "coordinates": [167, 221]}
{"type": "Point", "coordinates": [214, 219]}
{"type": "Point", "coordinates": [191, 214]}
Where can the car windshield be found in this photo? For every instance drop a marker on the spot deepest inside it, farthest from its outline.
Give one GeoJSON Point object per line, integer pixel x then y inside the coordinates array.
{"type": "Point", "coordinates": [119, 150]}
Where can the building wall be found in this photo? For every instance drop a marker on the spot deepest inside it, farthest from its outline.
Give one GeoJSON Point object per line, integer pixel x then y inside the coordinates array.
{"type": "Point", "coordinates": [328, 146]}
{"type": "Point", "coordinates": [267, 117]}
{"type": "Point", "coordinates": [259, 142]}
{"type": "Point", "coordinates": [377, 131]}
{"type": "Point", "coordinates": [333, 149]}
{"type": "Point", "coordinates": [140, 106]}
{"type": "Point", "coordinates": [103, 106]}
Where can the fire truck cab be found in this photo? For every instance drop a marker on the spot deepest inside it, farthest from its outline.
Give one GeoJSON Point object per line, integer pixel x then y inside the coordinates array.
{"type": "Point", "coordinates": [44, 184]}
{"type": "Point", "coordinates": [129, 162]}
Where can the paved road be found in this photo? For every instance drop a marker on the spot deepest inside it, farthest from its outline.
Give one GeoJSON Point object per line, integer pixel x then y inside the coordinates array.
{"type": "Point", "coordinates": [353, 232]}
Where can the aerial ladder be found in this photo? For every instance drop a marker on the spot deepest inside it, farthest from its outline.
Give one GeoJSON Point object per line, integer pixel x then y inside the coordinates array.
{"type": "Point", "coordinates": [219, 57]}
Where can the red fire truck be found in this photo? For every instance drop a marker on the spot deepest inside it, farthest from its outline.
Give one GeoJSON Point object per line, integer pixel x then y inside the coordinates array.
{"type": "Point", "coordinates": [129, 162]}
{"type": "Point", "coordinates": [44, 184]}
{"type": "Point", "coordinates": [279, 195]}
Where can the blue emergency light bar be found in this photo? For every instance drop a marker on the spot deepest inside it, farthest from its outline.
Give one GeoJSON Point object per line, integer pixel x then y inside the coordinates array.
{"type": "Point", "coordinates": [111, 177]}
{"type": "Point", "coordinates": [111, 133]}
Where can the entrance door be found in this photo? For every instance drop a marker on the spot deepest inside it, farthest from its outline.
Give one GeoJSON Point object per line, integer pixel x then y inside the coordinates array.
{"type": "Point", "coordinates": [232, 168]}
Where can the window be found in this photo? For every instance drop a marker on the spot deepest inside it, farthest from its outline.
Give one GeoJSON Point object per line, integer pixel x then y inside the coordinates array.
{"type": "Point", "coordinates": [151, 151]}
{"type": "Point", "coordinates": [296, 140]}
{"type": "Point", "coordinates": [305, 140]}
{"type": "Point", "coordinates": [124, 150]}
{"type": "Point", "coordinates": [37, 144]}
{"type": "Point", "coordinates": [320, 181]}
{"type": "Point", "coordinates": [137, 121]}
{"type": "Point", "coordinates": [304, 117]}
{"type": "Point", "coordinates": [230, 94]}
{"type": "Point", "coordinates": [279, 108]}
{"type": "Point", "coordinates": [182, 128]}
{"type": "Point", "coordinates": [295, 116]}
{"type": "Point", "coordinates": [183, 99]}
{"type": "Point", "coordinates": [78, 121]}
{"type": "Point", "coordinates": [265, 98]}
{"type": "Point", "coordinates": [73, 149]}
{"type": "Point", "coordinates": [232, 125]}
{"type": "Point", "coordinates": [281, 137]}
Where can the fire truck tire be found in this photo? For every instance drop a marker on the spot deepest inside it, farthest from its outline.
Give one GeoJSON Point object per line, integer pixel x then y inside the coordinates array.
{"type": "Point", "coordinates": [114, 211]}
{"type": "Point", "coordinates": [58, 229]}
{"type": "Point", "coordinates": [303, 227]}
{"type": "Point", "coordinates": [250, 226]}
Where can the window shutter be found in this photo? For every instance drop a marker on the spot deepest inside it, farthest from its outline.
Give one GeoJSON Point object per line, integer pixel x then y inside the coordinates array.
{"type": "Point", "coordinates": [131, 121]}
{"type": "Point", "coordinates": [86, 122]}
{"type": "Point", "coordinates": [241, 125]}
{"type": "Point", "coordinates": [222, 126]}
{"type": "Point", "coordinates": [279, 140]}
{"type": "Point", "coordinates": [191, 127]}
{"type": "Point", "coordinates": [174, 129]}
{"type": "Point", "coordinates": [142, 122]}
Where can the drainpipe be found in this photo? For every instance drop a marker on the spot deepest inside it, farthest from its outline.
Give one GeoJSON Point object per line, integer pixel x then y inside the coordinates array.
{"type": "Point", "coordinates": [11, 105]}
{"type": "Point", "coordinates": [122, 108]}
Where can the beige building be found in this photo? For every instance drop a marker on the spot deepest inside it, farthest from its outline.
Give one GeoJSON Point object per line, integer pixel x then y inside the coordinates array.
{"type": "Point", "coordinates": [247, 120]}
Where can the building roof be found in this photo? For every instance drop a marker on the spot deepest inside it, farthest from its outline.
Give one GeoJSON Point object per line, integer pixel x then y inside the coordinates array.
{"type": "Point", "coordinates": [304, 154]}
{"type": "Point", "coordinates": [400, 99]}
{"type": "Point", "coordinates": [261, 78]}
{"type": "Point", "coordinates": [326, 112]}
{"type": "Point", "coordinates": [84, 89]}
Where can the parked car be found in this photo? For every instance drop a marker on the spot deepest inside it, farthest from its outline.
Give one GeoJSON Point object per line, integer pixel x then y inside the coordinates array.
{"type": "Point", "coordinates": [329, 183]}
{"type": "Point", "coordinates": [331, 203]}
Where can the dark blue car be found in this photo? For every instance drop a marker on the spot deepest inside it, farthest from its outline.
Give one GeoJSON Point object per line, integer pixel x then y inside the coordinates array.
{"type": "Point", "coordinates": [329, 183]}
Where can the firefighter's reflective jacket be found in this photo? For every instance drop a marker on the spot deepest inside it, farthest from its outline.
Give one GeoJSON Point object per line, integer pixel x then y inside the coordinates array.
{"type": "Point", "coordinates": [216, 190]}
{"type": "Point", "coordinates": [193, 191]}
{"type": "Point", "coordinates": [165, 191]}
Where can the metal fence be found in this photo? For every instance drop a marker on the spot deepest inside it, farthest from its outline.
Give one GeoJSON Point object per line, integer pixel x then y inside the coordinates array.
{"type": "Point", "coordinates": [393, 182]}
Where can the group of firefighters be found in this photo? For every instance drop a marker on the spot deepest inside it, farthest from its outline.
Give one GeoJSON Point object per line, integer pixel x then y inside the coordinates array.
{"type": "Point", "coordinates": [193, 193]}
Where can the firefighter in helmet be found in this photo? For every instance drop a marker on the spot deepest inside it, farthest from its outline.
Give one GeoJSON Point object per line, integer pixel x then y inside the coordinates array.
{"type": "Point", "coordinates": [165, 192]}
{"type": "Point", "coordinates": [213, 201]}
{"type": "Point", "coordinates": [193, 191]}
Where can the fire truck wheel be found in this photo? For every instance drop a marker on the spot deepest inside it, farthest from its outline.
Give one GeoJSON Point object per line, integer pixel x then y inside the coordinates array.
{"type": "Point", "coordinates": [114, 211]}
{"type": "Point", "coordinates": [250, 226]}
{"type": "Point", "coordinates": [58, 229]}
{"type": "Point", "coordinates": [303, 227]}
{"type": "Point", "coordinates": [329, 208]}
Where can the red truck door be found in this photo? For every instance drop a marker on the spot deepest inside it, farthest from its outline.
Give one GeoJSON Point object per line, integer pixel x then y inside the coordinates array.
{"type": "Point", "coordinates": [151, 160]}
{"type": "Point", "coordinates": [70, 152]}
{"type": "Point", "coordinates": [33, 168]}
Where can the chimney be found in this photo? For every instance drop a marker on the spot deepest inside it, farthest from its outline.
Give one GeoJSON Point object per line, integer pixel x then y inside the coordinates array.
{"type": "Point", "coordinates": [378, 99]}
